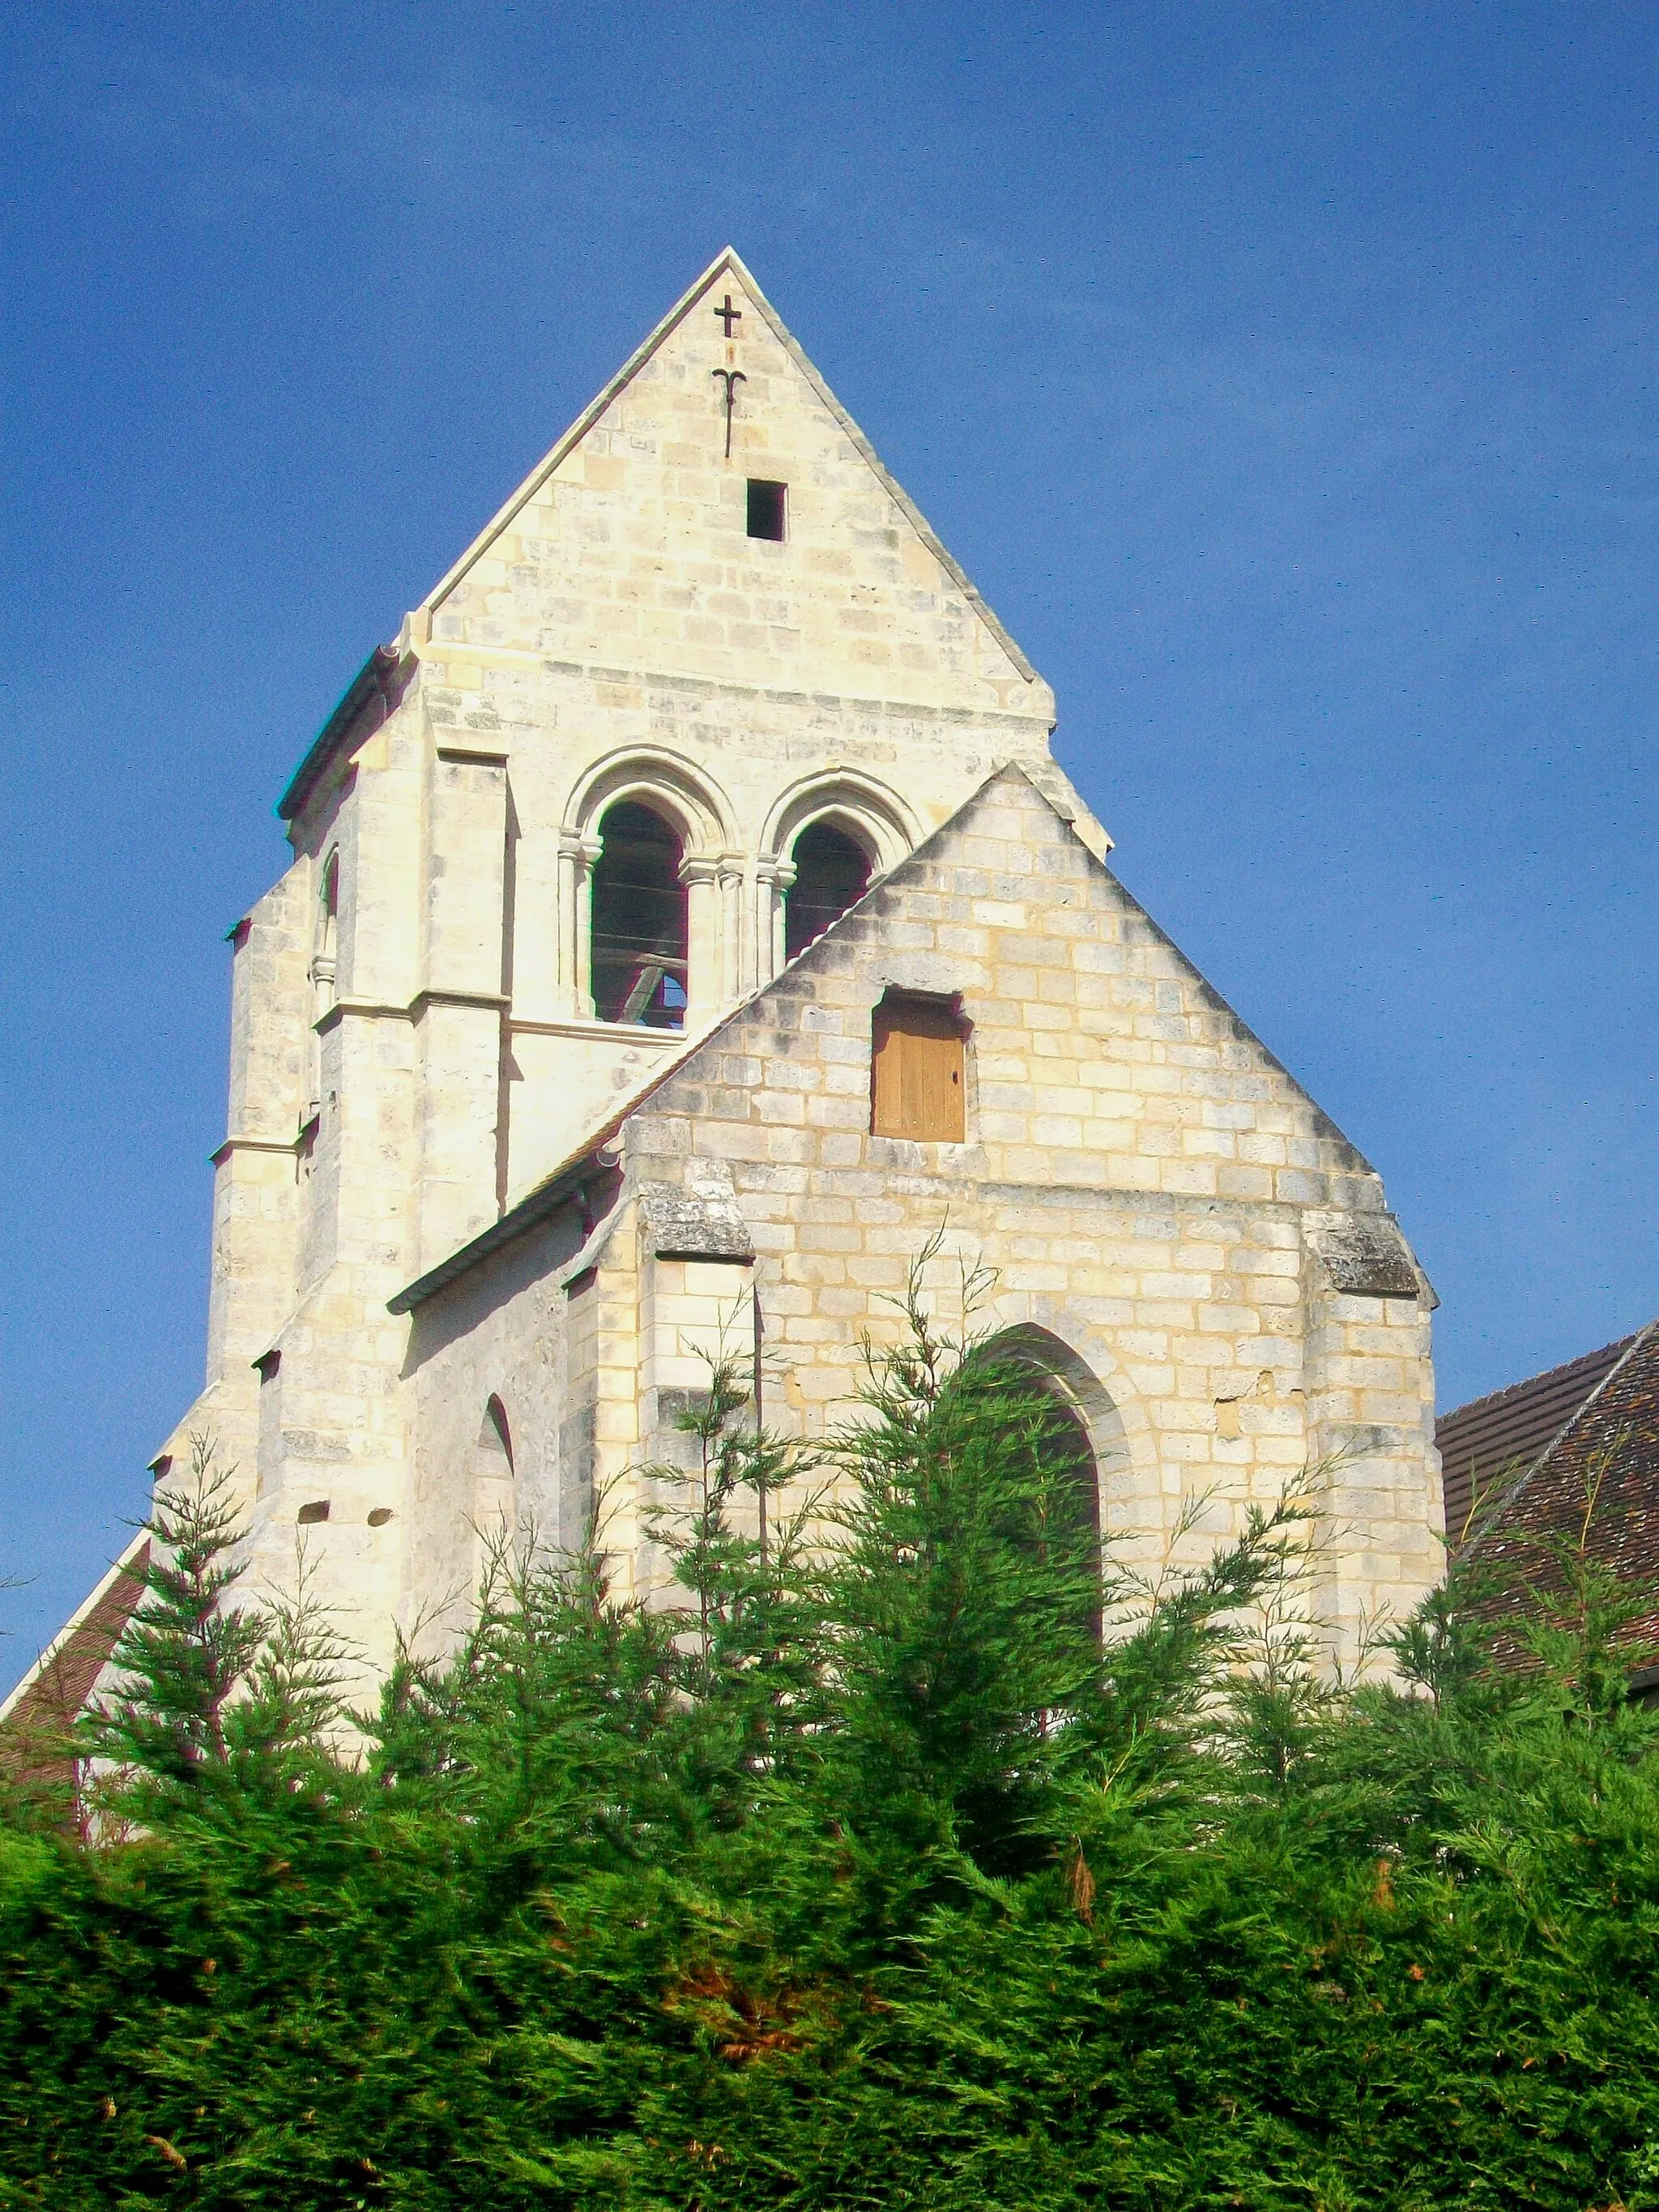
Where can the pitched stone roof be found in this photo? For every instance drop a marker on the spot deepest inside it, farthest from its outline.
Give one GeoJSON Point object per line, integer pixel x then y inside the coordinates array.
{"type": "Point", "coordinates": [377, 688]}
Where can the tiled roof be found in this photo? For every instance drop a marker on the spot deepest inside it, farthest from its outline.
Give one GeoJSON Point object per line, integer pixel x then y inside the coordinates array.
{"type": "Point", "coordinates": [1504, 1434]}
{"type": "Point", "coordinates": [1609, 1447]}
{"type": "Point", "coordinates": [46, 1703]}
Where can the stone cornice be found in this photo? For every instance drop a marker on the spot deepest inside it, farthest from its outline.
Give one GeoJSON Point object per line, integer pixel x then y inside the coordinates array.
{"type": "Point", "coordinates": [384, 1010]}
{"type": "Point", "coordinates": [237, 1142]}
{"type": "Point", "coordinates": [597, 1032]}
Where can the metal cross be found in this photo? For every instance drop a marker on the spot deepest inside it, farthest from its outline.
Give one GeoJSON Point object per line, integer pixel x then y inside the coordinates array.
{"type": "Point", "coordinates": [728, 314]}
{"type": "Point", "coordinates": [729, 377]}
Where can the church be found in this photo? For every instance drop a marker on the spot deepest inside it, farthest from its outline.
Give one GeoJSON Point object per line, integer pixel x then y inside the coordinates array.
{"type": "Point", "coordinates": [687, 925]}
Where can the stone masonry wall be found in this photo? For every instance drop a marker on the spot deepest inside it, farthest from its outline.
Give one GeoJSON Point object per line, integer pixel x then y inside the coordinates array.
{"type": "Point", "coordinates": [1151, 1188]}
{"type": "Point", "coordinates": [1136, 1175]}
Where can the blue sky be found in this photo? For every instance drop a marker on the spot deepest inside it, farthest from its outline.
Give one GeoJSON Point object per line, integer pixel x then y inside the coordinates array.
{"type": "Point", "coordinates": [1283, 376]}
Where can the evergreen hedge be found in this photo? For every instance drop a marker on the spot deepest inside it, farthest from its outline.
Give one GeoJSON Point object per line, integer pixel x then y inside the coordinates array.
{"type": "Point", "coordinates": [868, 1874]}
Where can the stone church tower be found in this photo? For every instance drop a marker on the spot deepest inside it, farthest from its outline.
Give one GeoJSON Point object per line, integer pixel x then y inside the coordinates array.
{"type": "Point", "coordinates": [686, 912]}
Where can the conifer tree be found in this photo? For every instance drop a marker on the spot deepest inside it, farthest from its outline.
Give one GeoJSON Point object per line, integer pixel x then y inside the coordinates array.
{"type": "Point", "coordinates": [923, 1856]}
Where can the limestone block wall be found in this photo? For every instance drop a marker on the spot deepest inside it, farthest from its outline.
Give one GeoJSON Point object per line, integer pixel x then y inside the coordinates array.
{"type": "Point", "coordinates": [548, 1328]}
{"type": "Point", "coordinates": [1164, 1216]}
{"type": "Point", "coordinates": [738, 771]}
{"type": "Point", "coordinates": [1139, 1174]}
{"type": "Point", "coordinates": [270, 1046]}
{"type": "Point", "coordinates": [615, 634]}
{"type": "Point", "coordinates": [1153, 1194]}
{"type": "Point", "coordinates": [256, 1209]}
{"type": "Point", "coordinates": [628, 547]}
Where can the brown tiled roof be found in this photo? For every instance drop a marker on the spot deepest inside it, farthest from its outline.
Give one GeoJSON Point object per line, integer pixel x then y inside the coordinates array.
{"type": "Point", "coordinates": [56, 1689]}
{"type": "Point", "coordinates": [1504, 1434]}
{"type": "Point", "coordinates": [1609, 1447]}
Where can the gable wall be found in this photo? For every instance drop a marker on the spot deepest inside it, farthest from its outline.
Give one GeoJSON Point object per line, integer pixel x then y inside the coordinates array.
{"type": "Point", "coordinates": [1139, 1174]}
{"type": "Point", "coordinates": [632, 550]}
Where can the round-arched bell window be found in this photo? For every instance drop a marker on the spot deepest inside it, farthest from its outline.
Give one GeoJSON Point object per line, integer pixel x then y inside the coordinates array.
{"type": "Point", "coordinates": [639, 928]}
{"type": "Point", "coordinates": [832, 872]}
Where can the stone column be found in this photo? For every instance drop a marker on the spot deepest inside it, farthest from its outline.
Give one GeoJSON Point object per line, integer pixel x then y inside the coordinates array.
{"type": "Point", "coordinates": [704, 934]}
{"type": "Point", "coordinates": [731, 879]}
{"type": "Point", "coordinates": [772, 880]}
{"type": "Point", "coordinates": [575, 923]}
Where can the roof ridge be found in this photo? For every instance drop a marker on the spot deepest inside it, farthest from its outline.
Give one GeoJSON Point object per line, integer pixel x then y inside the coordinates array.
{"type": "Point", "coordinates": [1513, 1495]}
{"type": "Point", "coordinates": [1619, 1344]}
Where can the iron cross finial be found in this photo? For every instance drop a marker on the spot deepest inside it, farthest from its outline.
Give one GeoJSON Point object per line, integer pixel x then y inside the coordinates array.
{"type": "Point", "coordinates": [728, 314]}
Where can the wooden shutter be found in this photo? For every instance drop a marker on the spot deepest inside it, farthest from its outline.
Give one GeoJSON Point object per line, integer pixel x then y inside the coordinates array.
{"type": "Point", "coordinates": [917, 1072]}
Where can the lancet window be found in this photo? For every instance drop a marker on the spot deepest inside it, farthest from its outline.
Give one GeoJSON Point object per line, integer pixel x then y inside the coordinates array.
{"type": "Point", "coordinates": [324, 959]}
{"type": "Point", "coordinates": [1078, 1409]}
{"type": "Point", "coordinates": [492, 1515]}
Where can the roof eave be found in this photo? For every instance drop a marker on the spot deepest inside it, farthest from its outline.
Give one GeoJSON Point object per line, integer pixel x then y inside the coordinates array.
{"type": "Point", "coordinates": [563, 1185]}
{"type": "Point", "coordinates": [371, 680]}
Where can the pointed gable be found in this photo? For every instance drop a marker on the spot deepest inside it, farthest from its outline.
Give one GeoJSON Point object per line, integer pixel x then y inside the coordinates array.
{"type": "Point", "coordinates": [631, 540]}
{"type": "Point", "coordinates": [1100, 1057]}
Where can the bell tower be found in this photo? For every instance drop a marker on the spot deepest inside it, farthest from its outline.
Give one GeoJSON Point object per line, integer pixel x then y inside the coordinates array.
{"type": "Point", "coordinates": [705, 679]}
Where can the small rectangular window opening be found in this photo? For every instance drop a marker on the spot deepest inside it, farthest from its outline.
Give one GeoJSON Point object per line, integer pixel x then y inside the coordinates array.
{"type": "Point", "coordinates": [918, 1070]}
{"type": "Point", "coordinates": [766, 508]}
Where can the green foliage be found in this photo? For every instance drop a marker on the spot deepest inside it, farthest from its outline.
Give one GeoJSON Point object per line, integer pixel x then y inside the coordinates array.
{"type": "Point", "coordinates": [862, 1873]}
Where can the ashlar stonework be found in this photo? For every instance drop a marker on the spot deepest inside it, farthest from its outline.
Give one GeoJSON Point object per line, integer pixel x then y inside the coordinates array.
{"type": "Point", "coordinates": [472, 1242]}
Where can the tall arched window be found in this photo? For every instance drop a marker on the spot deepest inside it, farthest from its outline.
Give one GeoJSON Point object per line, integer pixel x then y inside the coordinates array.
{"type": "Point", "coordinates": [1069, 1389]}
{"type": "Point", "coordinates": [492, 1490]}
{"type": "Point", "coordinates": [832, 871]}
{"type": "Point", "coordinates": [324, 959]}
{"type": "Point", "coordinates": [1074, 1456]}
{"type": "Point", "coordinates": [639, 926]}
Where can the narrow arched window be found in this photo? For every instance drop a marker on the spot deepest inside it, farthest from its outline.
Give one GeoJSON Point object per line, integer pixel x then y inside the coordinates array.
{"type": "Point", "coordinates": [328, 916]}
{"type": "Point", "coordinates": [492, 1490]}
{"type": "Point", "coordinates": [324, 986]}
{"type": "Point", "coordinates": [639, 928]}
{"type": "Point", "coordinates": [832, 872]}
{"type": "Point", "coordinates": [1079, 1492]}
{"type": "Point", "coordinates": [1071, 1490]}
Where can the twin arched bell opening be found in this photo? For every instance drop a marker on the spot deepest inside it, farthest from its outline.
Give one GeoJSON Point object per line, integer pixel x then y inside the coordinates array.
{"type": "Point", "coordinates": [640, 932]}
